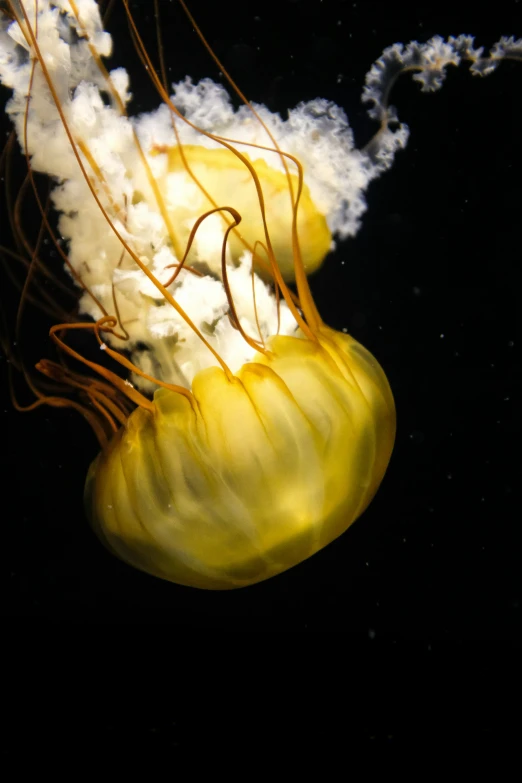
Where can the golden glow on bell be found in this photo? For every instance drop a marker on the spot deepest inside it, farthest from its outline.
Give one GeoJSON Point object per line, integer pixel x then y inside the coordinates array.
{"type": "Point", "coordinates": [254, 473]}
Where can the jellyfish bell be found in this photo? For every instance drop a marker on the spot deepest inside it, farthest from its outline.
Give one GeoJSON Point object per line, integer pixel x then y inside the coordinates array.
{"type": "Point", "coordinates": [258, 433]}
{"type": "Point", "coordinates": [247, 476]}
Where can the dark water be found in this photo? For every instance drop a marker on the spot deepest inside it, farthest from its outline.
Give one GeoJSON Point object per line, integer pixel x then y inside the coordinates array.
{"type": "Point", "coordinates": [429, 286]}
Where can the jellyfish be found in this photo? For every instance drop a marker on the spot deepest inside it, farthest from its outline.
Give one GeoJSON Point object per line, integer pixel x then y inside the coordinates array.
{"type": "Point", "coordinates": [246, 434]}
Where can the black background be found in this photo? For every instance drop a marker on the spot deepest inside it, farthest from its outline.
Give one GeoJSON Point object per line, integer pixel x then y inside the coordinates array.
{"type": "Point", "coordinates": [429, 286]}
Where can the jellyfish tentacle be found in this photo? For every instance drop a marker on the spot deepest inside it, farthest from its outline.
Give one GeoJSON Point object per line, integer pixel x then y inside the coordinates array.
{"type": "Point", "coordinates": [121, 108]}
{"type": "Point", "coordinates": [246, 102]}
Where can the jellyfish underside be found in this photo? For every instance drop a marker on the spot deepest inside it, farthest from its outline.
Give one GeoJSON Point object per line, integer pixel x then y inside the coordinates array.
{"type": "Point", "coordinates": [245, 472]}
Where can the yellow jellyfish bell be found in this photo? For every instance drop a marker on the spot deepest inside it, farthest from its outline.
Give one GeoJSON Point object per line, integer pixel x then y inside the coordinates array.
{"type": "Point", "coordinates": [249, 474]}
